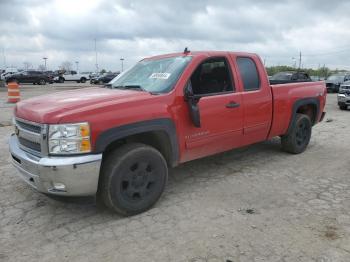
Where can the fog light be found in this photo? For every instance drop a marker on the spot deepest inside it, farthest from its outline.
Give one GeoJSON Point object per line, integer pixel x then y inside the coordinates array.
{"type": "Point", "coordinates": [59, 186]}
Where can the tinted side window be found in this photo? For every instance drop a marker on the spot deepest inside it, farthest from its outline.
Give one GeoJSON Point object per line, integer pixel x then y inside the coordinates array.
{"type": "Point", "coordinates": [211, 77]}
{"type": "Point", "coordinates": [249, 73]}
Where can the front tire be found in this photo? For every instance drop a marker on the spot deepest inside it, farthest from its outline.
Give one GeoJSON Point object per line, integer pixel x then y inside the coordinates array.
{"type": "Point", "coordinates": [133, 178]}
{"type": "Point", "coordinates": [82, 80]}
{"type": "Point", "coordinates": [299, 136]}
{"type": "Point", "coordinates": [42, 82]}
{"type": "Point", "coordinates": [343, 107]}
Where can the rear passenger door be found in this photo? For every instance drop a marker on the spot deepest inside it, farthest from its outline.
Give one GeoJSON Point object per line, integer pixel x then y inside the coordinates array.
{"type": "Point", "coordinates": [257, 99]}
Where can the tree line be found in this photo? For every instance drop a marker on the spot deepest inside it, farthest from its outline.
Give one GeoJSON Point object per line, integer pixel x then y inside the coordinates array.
{"type": "Point", "coordinates": [320, 72]}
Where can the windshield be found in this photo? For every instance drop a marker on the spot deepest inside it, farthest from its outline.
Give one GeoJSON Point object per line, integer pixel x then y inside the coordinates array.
{"type": "Point", "coordinates": [339, 78]}
{"type": "Point", "coordinates": [154, 76]}
{"type": "Point", "coordinates": [282, 76]}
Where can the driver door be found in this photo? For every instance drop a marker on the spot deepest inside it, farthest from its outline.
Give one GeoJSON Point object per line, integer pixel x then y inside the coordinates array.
{"type": "Point", "coordinates": [220, 107]}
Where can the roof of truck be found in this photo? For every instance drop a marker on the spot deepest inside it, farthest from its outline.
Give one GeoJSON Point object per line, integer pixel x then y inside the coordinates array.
{"type": "Point", "coordinates": [198, 53]}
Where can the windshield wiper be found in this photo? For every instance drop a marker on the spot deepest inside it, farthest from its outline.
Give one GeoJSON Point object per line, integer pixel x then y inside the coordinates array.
{"type": "Point", "coordinates": [137, 87]}
{"type": "Point", "coordinates": [134, 87]}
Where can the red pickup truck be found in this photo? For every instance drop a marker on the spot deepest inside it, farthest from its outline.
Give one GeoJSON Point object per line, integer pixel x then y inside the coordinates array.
{"type": "Point", "coordinates": [118, 142]}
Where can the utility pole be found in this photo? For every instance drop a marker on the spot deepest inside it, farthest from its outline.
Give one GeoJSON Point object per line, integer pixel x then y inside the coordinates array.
{"type": "Point", "coordinates": [299, 60]}
{"type": "Point", "coordinates": [96, 56]}
{"type": "Point", "coordinates": [122, 60]}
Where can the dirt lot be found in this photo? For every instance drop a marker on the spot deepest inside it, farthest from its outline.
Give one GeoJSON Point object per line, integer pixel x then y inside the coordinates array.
{"type": "Point", "coordinates": [252, 204]}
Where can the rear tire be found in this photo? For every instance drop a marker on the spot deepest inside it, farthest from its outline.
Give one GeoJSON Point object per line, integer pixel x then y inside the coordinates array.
{"type": "Point", "coordinates": [42, 82]}
{"type": "Point", "coordinates": [82, 80]}
{"type": "Point", "coordinates": [343, 107]}
{"type": "Point", "coordinates": [133, 178]}
{"type": "Point", "coordinates": [299, 136]}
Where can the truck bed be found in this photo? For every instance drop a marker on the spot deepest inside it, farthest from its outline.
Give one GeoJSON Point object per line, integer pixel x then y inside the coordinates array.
{"type": "Point", "coordinates": [285, 96]}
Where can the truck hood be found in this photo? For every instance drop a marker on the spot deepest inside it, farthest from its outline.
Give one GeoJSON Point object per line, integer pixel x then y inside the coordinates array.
{"type": "Point", "coordinates": [49, 109]}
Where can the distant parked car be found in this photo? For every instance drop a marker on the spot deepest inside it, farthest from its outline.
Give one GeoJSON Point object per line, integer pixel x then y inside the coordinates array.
{"type": "Point", "coordinates": [7, 72]}
{"type": "Point", "coordinates": [334, 81]}
{"type": "Point", "coordinates": [104, 79]}
{"type": "Point", "coordinates": [72, 76]}
{"type": "Point", "coordinates": [51, 74]}
{"type": "Point", "coordinates": [34, 77]}
{"type": "Point", "coordinates": [289, 77]}
{"type": "Point", "coordinates": [344, 95]}
{"type": "Point", "coordinates": [94, 75]}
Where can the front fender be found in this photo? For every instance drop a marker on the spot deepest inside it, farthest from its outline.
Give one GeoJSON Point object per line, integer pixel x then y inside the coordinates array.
{"type": "Point", "coordinates": [163, 124]}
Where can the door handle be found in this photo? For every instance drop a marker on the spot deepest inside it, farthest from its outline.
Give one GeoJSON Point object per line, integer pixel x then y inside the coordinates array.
{"type": "Point", "coordinates": [232, 104]}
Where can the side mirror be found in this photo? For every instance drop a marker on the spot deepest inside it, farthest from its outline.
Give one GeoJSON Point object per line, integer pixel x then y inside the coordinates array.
{"type": "Point", "coordinates": [192, 102]}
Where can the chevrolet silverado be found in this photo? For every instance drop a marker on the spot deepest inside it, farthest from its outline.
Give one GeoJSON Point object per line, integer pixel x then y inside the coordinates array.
{"type": "Point", "coordinates": [118, 142]}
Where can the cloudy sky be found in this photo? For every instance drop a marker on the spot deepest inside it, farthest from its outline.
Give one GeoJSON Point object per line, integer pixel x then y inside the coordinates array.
{"type": "Point", "coordinates": [64, 30]}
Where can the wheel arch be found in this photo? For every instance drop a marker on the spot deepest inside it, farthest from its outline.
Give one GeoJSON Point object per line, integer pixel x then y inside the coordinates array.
{"type": "Point", "coordinates": [158, 133]}
{"type": "Point", "coordinates": [308, 106]}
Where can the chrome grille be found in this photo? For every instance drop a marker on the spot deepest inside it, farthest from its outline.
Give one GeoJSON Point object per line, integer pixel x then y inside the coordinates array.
{"type": "Point", "coordinates": [31, 136]}
{"type": "Point", "coordinates": [30, 144]}
{"type": "Point", "coordinates": [29, 127]}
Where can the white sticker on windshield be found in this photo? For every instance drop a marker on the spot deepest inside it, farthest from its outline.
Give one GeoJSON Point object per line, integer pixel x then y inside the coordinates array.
{"type": "Point", "coordinates": [160, 75]}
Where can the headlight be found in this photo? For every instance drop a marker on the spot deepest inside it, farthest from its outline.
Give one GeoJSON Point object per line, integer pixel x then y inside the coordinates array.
{"type": "Point", "coordinates": [69, 138]}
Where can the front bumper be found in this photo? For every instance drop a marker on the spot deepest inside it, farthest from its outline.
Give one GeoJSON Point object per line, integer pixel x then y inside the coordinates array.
{"type": "Point", "coordinates": [343, 99]}
{"type": "Point", "coordinates": [67, 176]}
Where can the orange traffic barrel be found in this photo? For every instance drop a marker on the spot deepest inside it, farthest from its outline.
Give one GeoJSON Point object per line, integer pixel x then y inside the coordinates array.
{"type": "Point", "coordinates": [13, 95]}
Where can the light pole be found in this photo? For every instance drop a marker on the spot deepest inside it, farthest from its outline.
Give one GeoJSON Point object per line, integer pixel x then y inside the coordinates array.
{"type": "Point", "coordinates": [122, 60]}
{"type": "Point", "coordinates": [96, 56]}
{"type": "Point", "coordinates": [77, 63]}
{"type": "Point", "coordinates": [45, 58]}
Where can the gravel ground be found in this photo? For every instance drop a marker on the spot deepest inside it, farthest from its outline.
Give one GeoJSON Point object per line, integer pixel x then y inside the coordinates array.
{"type": "Point", "coordinates": [252, 204]}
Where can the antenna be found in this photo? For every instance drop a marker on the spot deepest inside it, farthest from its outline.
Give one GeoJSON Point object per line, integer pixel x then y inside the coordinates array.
{"type": "Point", "coordinates": [186, 51]}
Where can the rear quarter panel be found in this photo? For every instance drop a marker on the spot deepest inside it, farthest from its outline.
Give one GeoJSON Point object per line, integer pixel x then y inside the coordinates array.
{"type": "Point", "coordinates": [286, 95]}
